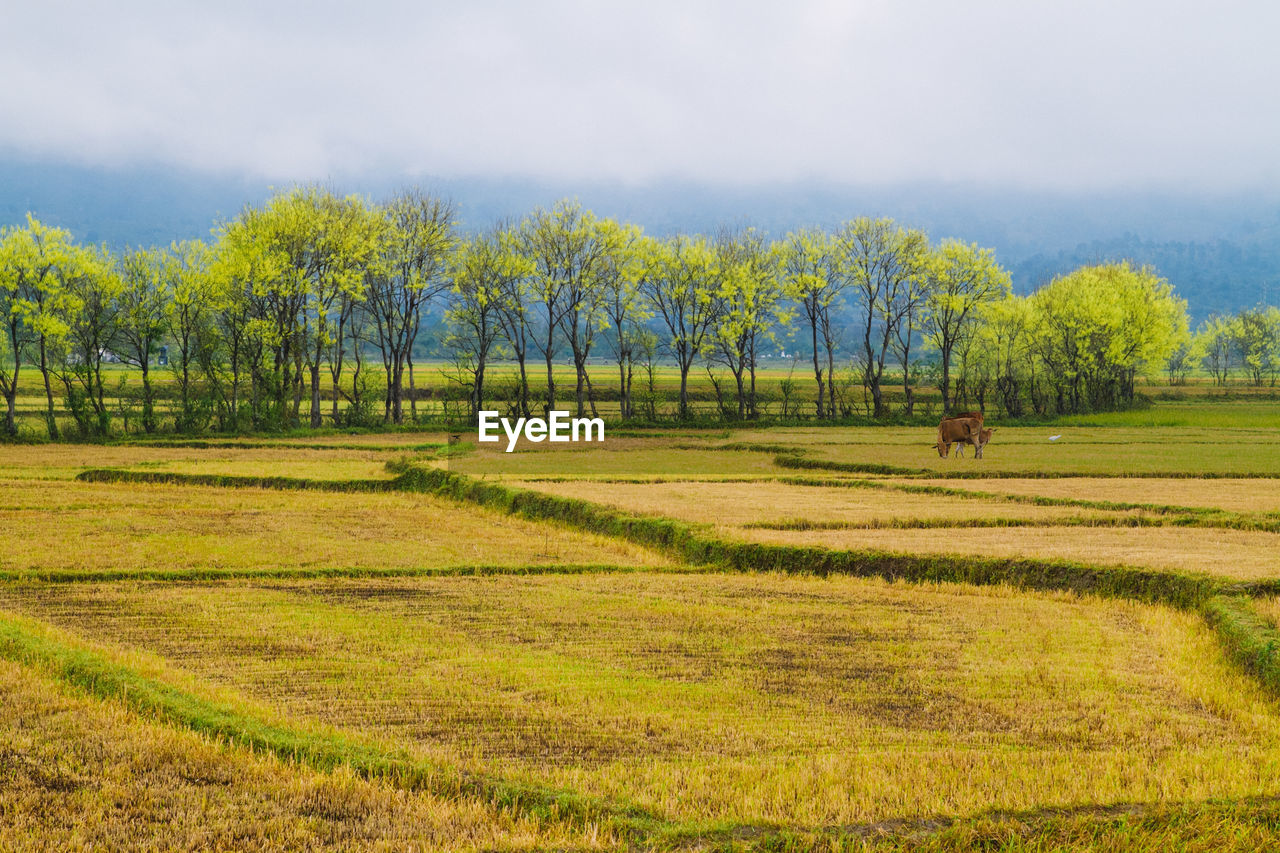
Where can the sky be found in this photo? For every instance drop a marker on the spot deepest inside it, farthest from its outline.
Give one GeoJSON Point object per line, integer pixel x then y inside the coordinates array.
{"type": "Point", "coordinates": [1077, 95]}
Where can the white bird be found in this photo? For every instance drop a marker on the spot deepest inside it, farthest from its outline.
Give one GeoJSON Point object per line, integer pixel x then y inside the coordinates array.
{"type": "Point", "coordinates": [1055, 437]}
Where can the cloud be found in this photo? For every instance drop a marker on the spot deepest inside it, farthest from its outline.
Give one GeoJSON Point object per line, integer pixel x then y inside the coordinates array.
{"type": "Point", "coordinates": [1055, 95]}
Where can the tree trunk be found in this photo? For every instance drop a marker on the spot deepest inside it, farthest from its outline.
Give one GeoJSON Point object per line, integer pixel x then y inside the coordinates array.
{"type": "Point", "coordinates": [831, 382]}
{"type": "Point", "coordinates": [315, 395]}
{"type": "Point", "coordinates": [907, 393]}
{"type": "Point", "coordinates": [396, 390]}
{"type": "Point", "coordinates": [684, 390]}
{"type": "Point", "coordinates": [627, 385]}
{"type": "Point", "coordinates": [10, 399]}
{"type": "Point", "coordinates": [551, 383]}
{"type": "Point", "coordinates": [413, 397]}
{"type": "Point", "coordinates": [946, 382]}
{"type": "Point", "coordinates": [386, 397]}
{"type": "Point", "coordinates": [186, 393]}
{"type": "Point", "coordinates": [297, 388]}
{"type": "Point", "coordinates": [579, 367]}
{"type": "Point", "coordinates": [477, 390]}
{"type": "Point", "coordinates": [591, 394]}
{"type": "Point", "coordinates": [99, 393]}
{"type": "Point", "coordinates": [51, 418]}
{"type": "Point", "coordinates": [622, 389]}
{"type": "Point", "coordinates": [524, 386]}
{"type": "Point", "coordinates": [148, 405]}
{"type": "Point", "coordinates": [817, 371]}
{"type": "Point", "coordinates": [337, 392]}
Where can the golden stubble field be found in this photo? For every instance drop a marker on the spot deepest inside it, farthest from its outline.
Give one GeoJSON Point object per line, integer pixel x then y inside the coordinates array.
{"type": "Point", "coordinates": [49, 527]}
{"type": "Point", "coordinates": [79, 773]}
{"type": "Point", "coordinates": [711, 703]}
{"type": "Point", "coordinates": [799, 700]}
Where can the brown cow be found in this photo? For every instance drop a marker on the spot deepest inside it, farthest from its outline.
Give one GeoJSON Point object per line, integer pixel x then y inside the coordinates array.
{"type": "Point", "coordinates": [954, 430]}
{"type": "Point", "coordinates": [983, 437]}
{"type": "Point", "coordinates": [977, 416]}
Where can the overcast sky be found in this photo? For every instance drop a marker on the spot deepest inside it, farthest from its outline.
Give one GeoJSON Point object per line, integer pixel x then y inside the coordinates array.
{"type": "Point", "coordinates": [1056, 95]}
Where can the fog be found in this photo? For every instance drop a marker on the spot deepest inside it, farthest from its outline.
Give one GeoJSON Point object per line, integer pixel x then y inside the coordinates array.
{"type": "Point", "coordinates": [1063, 96]}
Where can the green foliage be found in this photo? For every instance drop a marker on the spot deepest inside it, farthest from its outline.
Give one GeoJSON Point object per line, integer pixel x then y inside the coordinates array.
{"type": "Point", "coordinates": [961, 279]}
{"type": "Point", "coordinates": [1078, 344]}
{"type": "Point", "coordinates": [1213, 343]}
{"type": "Point", "coordinates": [311, 282]}
{"type": "Point", "coordinates": [1096, 329]}
{"type": "Point", "coordinates": [1256, 334]}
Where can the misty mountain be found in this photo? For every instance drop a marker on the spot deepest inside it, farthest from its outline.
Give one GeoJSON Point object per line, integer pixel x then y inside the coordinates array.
{"type": "Point", "coordinates": [1218, 276]}
{"type": "Point", "coordinates": [1221, 252]}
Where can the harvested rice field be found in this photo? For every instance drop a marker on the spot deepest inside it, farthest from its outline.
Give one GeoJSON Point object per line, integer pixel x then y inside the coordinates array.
{"type": "Point", "coordinates": [804, 701]}
{"type": "Point", "coordinates": [802, 639]}
{"type": "Point", "coordinates": [53, 527]}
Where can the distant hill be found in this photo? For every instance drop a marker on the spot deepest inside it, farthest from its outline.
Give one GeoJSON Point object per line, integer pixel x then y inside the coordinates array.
{"type": "Point", "coordinates": [138, 207]}
{"type": "Point", "coordinates": [1217, 276]}
{"type": "Point", "coordinates": [1222, 253]}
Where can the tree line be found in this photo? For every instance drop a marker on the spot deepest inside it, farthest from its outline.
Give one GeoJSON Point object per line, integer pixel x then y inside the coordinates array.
{"type": "Point", "coordinates": [1246, 343]}
{"type": "Point", "coordinates": [292, 308]}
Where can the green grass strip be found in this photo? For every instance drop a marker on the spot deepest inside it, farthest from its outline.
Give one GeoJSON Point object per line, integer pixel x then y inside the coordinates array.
{"type": "Point", "coordinates": [231, 444]}
{"type": "Point", "coordinates": [1251, 640]}
{"type": "Point", "coordinates": [116, 475]}
{"type": "Point", "coordinates": [1172, 515]}
{"type": "Point", "coordinates": [55, 576]}
{"type": "Point", "coordinates": [690, 543]}
{"type": "Point", "coordinates": [1034, 500]}
{"type": "Point", "coordinates": [794, 460]}
{"type": "Point", "coordinates": [800, 524]}
{"type": "Point", "coordinates": [97, 675]}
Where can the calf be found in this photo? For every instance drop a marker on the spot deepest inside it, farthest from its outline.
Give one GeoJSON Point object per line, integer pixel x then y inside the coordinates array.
{"type": "Point", "coordinates": [983, 437]}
